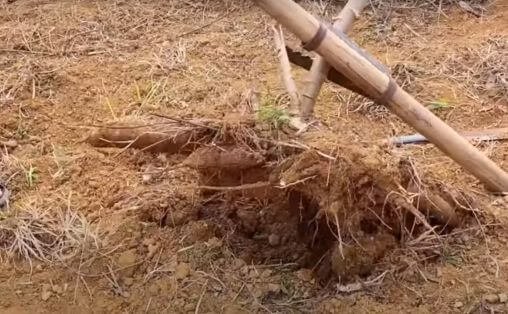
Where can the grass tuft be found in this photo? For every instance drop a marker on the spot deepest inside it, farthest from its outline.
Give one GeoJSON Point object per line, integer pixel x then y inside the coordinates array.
{"type": "Point", "coordinates": [271, 114]}
{"type": "Point", "coordinates": [33, 233]}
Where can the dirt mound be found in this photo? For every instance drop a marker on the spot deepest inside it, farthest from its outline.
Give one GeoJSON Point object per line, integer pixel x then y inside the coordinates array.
{"type": "Point", "coordinates": [337, 215]}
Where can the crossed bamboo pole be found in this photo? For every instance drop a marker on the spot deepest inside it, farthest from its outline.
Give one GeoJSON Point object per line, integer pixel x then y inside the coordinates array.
{"type": "Point", "coordinates": [320, 68]}
{"type": "Point", "coordinates": [353, 63]}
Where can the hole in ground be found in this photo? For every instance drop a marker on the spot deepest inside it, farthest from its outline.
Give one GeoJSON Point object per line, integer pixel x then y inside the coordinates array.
{"type": "Point", "coordinates": [273, 226]}
{"type": "Point", "coordinates": [345, 238]}
{"type": "Point", "coordinates": [281, 230]}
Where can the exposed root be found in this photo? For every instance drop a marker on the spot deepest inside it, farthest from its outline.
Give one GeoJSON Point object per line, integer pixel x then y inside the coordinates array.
{"type": "Point", "coordinates": [341, 210]}
{"type": "Point", "coordinates": [234, 188]}
{"type": "Point", "coordinates": [232, 158]}
{"type": "Point", "coordinates": [169, 137]}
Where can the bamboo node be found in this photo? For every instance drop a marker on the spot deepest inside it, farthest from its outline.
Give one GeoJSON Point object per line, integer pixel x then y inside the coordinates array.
{"type": "Point", "coordinates": [387, 95]}
{"type": "Point", "coordinates": [314, 43]}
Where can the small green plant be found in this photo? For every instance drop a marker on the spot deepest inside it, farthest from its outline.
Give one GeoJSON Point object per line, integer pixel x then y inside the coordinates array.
{"type": "Point", "coordinates": [438, 105]}
{"type": "Point", "coordinates": [287, 285]}
{"type": "Point", "coordinates": [274, 116]}
{"type": "Point", "coordinates": [21, 132]}
{"type": "Point", "coordinates": [31, 176]}
{"type": "Point", "coordinates": [451, 257]}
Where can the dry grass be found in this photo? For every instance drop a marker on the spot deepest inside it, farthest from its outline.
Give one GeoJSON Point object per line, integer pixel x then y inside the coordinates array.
{"type": "Point", "coordinates": [383, 9]}
{"type": "Point", "coordinates": [169, 58]}
{"type": "Point", "coordinates": [481, 70]}
{"type": "Point", "coordinates": [105, 29]}
{"type": "Point", "coordinates": [180, 58]}
{"type": "Point", "coordinates": [48, 235]}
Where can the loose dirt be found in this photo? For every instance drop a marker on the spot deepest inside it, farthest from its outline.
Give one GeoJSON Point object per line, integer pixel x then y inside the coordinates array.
{"type": "Point", "coordinates": [137, 159]}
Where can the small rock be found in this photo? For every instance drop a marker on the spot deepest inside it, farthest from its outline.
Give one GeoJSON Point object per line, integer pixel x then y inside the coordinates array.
{"type": "Point", "coordinates": [137, 235]}
{"type": "Point", "coordinates": [214, 242]}
{"type": "Point", "coordinates": [274, 287]}
{"type": "Point", "coordinates": [153, 289]}
{"type": "Point", "coordinates": [45, 295]}
{"type": "Point", "coordinates": [146, 177]}
{"type": "Point", "coordinates": [46, 292]}
{"type": "Point", "coordinates": [233, 309]}
{"type": "Point", "coordinates": [162, 157]}
{"type": "Point", "coordinates": [274, 239]}
{"type": "Point", "coordinates": [127, 261]}
{"type": "Point", "coordinates": [4, 195]}
{"type": "Point", "coordinates": [503, 297]}
{"type": "Point", "coordinates": [133, 244]}
{"type": "Point", "coordinates": [304, 274]}
{"type": "Point", "coordinates": [439, 273]}
{"type": "Point", "coordinates": [149, 241]}
{"type": "Point", "coordinates": [253, 273]}
{"type": "Point", "coordinates": [491, 298]}
{"type": "Point", "coordinates": [152, 249]}
{"type": "Point", "coordinates": [129, 281]}
{"type": "Point", "coordinates": [182, 270]}
{"type": "Point", "coordinates": [458, 305]}
{"type": "Point", "coordinates": [9, 143]}
{"type": "Point", "coordinates": [189, 307]}
{"type": "Point", "coordinates": [256, 291]}
{"type": "Point", "coordinates": [245, 270]}
{"type": "Point", "coordinates": [57, 289]}
{"type": "Point", "coordinates": [266, 273]}
{"type": "Point", "coordinates": [238, 263]}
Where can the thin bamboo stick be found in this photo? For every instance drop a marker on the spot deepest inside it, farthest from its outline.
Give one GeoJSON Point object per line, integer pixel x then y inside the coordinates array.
{"type": "Point", "coordinates": [320, 68]}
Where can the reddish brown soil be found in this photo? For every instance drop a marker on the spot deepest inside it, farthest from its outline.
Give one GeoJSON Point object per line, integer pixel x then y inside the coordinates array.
{"type": "Point", "coordinates": [169, 243]}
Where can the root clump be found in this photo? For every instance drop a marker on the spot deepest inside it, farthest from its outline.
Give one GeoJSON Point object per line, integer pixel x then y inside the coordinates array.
{"type": "Point", "coordinates": [337, 211]}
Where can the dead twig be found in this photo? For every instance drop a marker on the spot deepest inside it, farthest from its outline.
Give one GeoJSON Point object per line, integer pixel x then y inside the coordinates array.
{"type": "Point", "coordinates": [234, 188]}
{"type": "Point", "coordinates": [221, 17]}
{"type": "Point", "coordinates": [196, 311]}
{"type": "Point", "coordinates": [358, 286]}
{"type": "Point", "coordinates": [185, 121]}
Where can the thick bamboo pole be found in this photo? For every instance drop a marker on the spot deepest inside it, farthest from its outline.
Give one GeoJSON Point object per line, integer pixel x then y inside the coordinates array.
{"type": "Point", "coordinates": [349, 60]}
{"type": "Point", "coordinates": [320, 68]}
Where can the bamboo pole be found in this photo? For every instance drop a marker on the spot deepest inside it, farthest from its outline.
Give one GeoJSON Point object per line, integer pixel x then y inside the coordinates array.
{"type": "Point", "coordinates": [285, 69]}
{"type": "Point", "coordinates": [287, 79]}
{"type": "Point", "coordinates": [354, 64]}
{"type": "Point", "coordinates": [320, 68]}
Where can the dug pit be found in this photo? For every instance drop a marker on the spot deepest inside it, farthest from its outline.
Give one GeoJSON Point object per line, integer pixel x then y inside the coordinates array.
{"type": "Point", "coordinates": [336, 214]}
{"type": "Point", "coordinates": [301, 218]}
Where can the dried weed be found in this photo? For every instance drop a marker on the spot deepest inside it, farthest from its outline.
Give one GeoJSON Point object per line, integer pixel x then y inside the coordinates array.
{"type": "Point", "coordinates": [481, 70]}
{"type": "Point", "coordinates": [45, 234]}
